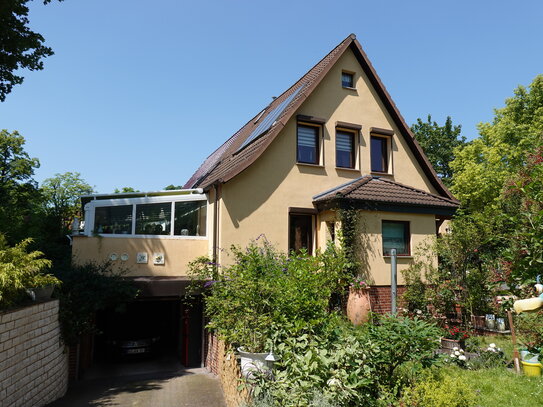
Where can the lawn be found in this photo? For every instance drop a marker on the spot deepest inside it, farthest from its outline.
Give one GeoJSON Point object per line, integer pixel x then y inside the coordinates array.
{"type": "Point", "coordinates": [502, 387]}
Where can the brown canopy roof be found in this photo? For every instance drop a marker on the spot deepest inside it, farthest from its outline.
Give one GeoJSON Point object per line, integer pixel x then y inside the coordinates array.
{"type": "Point", "coordinates": [370, 192]}
{"type": "Point", "coordinates": [231, 158]}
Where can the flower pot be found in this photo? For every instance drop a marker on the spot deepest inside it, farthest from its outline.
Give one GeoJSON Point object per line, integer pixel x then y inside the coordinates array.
{"type": "Point", "coordinates": [531, 369]}
{"type": "Point", "coordinates": [41, 293]}
{"type": "Point", "coordinates": [478, 322]}
{"type": "Point", "coordinates": [490, 321]}
{"type": "Point", "coordinates": [358, 306]}
{"type": "Point", "coordinates": [449, 344]}
{"type": "Point", "coordinates": [252, 363]}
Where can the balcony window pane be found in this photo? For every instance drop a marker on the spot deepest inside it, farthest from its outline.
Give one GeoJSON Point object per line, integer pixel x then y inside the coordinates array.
{"type": "Point", "coordinates": [113, 219]}
{"type": "Point", "coordinates": [190, 218]}
{"type": "Point", "coordinates": [153, 219]}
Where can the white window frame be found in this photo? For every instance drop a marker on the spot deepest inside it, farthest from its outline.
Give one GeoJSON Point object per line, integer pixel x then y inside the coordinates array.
{"type": "Point", "coordinates": [96, 203]}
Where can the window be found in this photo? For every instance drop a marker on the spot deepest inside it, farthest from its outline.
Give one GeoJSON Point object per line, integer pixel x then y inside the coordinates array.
{"type": "Point", "coordinates": [347, 80]}
{"type": "Point", "coordinates": [396, 236]}
{"type": "Point", "coordinates": [190, 218]}
{"type": "Point", "coordinates": [308, 144]}
{"type": "Point", "coordinates": [331, 227]}
{"type": "Point", "coordinates": [300, 233]}
{"type": "Point", "coordinates": [379, 154]}
{"type": "Point", "coordinates": [166, 216]}
{"type": "Point", "coordinates": [154, 218]}
{"type": "Point", "coordinates": [113, 220]}
{"type": "Point", "coordinates": [345, 151]}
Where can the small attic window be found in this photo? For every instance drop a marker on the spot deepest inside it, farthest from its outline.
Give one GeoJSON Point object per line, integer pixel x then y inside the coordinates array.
{"type": "Point", "coordinates": [347, 79]}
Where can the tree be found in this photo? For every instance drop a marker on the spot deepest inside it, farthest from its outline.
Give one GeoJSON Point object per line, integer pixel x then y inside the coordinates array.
{"type": "Point", "coordinates": [61, 196]}
{"type": "Point", "coordinates": [19, 195]}
{"type": "Point", "coordinates": [483, 165]}
{"type": "Point", "coordinates": [438, 143]}
{"type": "Point", "coordinates": [172, 187]}
{"type": "Point", "coordinates": [125, 190]}
{"type": "Point", "coordinates": [20, 47]}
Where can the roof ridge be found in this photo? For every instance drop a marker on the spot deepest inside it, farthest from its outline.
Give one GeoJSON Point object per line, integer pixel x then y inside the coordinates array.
{"type": "Point", "coordinates": [363, 180]}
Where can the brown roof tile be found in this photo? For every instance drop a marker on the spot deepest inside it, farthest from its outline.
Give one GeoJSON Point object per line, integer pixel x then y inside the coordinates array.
{"type": "Point", "coordinates": [380, 190]}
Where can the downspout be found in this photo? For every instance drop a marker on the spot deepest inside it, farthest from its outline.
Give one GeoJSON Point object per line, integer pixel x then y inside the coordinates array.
{"type": "Point", "coordinates": [215, 255]}
{"type": "Point", "coordinates": [215, 258]}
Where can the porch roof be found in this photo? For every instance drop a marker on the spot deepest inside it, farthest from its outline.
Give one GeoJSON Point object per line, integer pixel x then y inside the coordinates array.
{"type": "Point", "coordinates": [376, 193]}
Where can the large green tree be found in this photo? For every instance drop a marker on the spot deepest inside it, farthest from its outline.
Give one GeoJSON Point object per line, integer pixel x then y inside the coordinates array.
{"type": "Point", "coordinates": [438, 143]}
{"type": "Point", "coordinates": [19, 195]}
{"type": "Point", "coordinates": [20, 47]}
{"type": "Point", "coordinates": [483, 165]}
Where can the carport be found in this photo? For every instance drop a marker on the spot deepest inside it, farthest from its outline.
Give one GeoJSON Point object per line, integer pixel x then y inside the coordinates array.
{"type": "Point", "coordinates": [160, 329]}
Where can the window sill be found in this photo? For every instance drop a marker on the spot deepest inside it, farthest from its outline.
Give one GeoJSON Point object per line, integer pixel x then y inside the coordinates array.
{"type": "Point", "coordinates": [347, 169]}
{"type": "Point", "coordinates": [348, 88]}
{"type": "Point", "coordinates": [310, 165]}
{"type": "Point", "coordinates": [166, 237]}
{"type": "Point", "coordinates": [378, 173]}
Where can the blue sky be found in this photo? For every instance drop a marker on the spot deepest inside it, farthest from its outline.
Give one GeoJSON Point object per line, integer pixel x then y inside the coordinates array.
{"type": "Point", "coordinates": [138, 93]}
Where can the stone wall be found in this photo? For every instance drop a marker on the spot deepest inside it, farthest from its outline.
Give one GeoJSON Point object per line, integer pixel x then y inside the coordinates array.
{"type": "Point", "coordinates": [226, 366]}
{"type": "Point", "coordinates": [33, 360]}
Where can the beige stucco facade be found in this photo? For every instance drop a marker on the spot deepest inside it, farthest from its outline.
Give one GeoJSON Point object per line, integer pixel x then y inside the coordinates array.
{"type": "Point", "coordinates": [177, 253]}
{"type": "Point", "coordinates": [257, 201]}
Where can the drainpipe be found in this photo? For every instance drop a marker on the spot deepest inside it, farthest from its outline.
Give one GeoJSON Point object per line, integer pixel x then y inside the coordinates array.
{"type": "Point", "coordinates": [215, 255]}
{"type": "Point", "coordinates": [393, 281]}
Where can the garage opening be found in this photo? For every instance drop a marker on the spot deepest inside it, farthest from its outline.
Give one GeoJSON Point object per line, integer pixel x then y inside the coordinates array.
{"type": "Point", "coordinates": [154, 333]}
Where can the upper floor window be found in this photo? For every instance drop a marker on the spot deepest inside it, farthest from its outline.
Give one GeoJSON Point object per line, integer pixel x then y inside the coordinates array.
{"type": "Point", "coordinates": [396, 235]}
{"type": "Point", "coordinates": [308, 141]}
{"type": "Point", "coordinates": [113, 219]}
{"type": "Point", "coordinates": [345, 149]}
{"type": "Point", "coordinates": [347, 79]}
{"type": "Point", "coordinates": [379, 154]}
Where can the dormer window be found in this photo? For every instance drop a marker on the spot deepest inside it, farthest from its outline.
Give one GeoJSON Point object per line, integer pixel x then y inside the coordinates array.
{"type": "Point", "coordinates": [347, 79]}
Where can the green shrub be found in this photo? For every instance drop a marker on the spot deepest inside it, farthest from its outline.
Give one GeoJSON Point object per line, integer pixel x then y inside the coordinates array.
{"type": "Point", "coordinates": [440, 391]}
{"type": "Point", "coordinates": [399, 340]}
{"type": "Point", "coordinates": [265, 290]}
{"type": "Point", "coordinates": [86, 289]}
{"type": "Point", "coordinates": [20, 270]}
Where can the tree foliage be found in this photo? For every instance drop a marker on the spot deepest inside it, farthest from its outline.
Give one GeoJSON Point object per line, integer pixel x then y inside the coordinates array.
{"type": "Point", "coordinates": [19, 196]}
{"type": "Point", "coordinates": [439, 143]}
{"type": "Point", "coordinates": [125, 190]}
{"type": "Point", "coordinates": [18, 269]}
{"type": "Point", "coordinates": [483, 165]}
{"type": "Point", "coordinates": [20, 47]}
{"type": "Point", "coordinates": [61, 195]}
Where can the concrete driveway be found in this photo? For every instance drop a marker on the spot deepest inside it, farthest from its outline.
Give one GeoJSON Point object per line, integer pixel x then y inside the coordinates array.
{"type": "Point", "coordinates": [183, 388]}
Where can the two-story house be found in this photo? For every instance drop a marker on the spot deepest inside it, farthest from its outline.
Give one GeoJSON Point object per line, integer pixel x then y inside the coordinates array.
{"type": "Point", "coordinates": [333, 139]}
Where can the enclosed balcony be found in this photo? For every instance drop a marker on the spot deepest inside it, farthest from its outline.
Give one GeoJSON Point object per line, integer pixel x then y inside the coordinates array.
{"type": "Point", "coordinates": [146, 234]}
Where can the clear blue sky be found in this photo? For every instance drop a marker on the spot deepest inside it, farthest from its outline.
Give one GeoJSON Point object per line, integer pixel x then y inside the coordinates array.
{"type": "Point", "coordinates": [138, 92]}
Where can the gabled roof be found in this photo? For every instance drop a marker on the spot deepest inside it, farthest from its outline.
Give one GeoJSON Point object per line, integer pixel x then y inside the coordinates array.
{"type": "Point", "coordinates": [235, 155]}
{"type": "Point", "coordinates": [372, 192]}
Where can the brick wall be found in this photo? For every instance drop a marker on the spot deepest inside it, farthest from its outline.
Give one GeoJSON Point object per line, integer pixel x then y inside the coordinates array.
{"type": "Point", "coordinates": [381, 301]}
{"type": "Point", "coordinates": [33, 361]}
{"type": "Point", "coordinates": [226, 366]}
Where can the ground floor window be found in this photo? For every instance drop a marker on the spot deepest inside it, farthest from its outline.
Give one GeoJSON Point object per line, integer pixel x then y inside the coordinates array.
{"type": "Point", "coordinates": [301, 232]}
{"type": "Point", "coordinates": [396, 235]}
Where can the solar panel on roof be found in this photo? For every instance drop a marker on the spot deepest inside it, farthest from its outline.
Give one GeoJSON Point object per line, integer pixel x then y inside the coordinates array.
{"type": "Point", "coordinates": [268, 121]}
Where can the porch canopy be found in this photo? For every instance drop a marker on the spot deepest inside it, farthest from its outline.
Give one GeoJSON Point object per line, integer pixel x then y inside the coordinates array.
{"type": "Point", "coordinates": [375, 193]}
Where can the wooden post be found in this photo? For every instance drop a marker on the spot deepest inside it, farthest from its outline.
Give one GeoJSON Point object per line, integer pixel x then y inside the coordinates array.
{"type": "Point", "coordinates": [514, 339]}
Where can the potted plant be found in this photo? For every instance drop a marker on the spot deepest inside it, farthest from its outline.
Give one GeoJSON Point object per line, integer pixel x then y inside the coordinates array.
{"type": "Point", "coordinates": [42, 286]}
{"type": "Point", "coordinates": [454, 336]}
{"type": "Point", "coordinates": [359, 304]}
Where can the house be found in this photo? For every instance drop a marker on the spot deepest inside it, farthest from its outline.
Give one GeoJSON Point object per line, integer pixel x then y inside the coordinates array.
{"type": "Point", "coordinates": [334, 139]}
